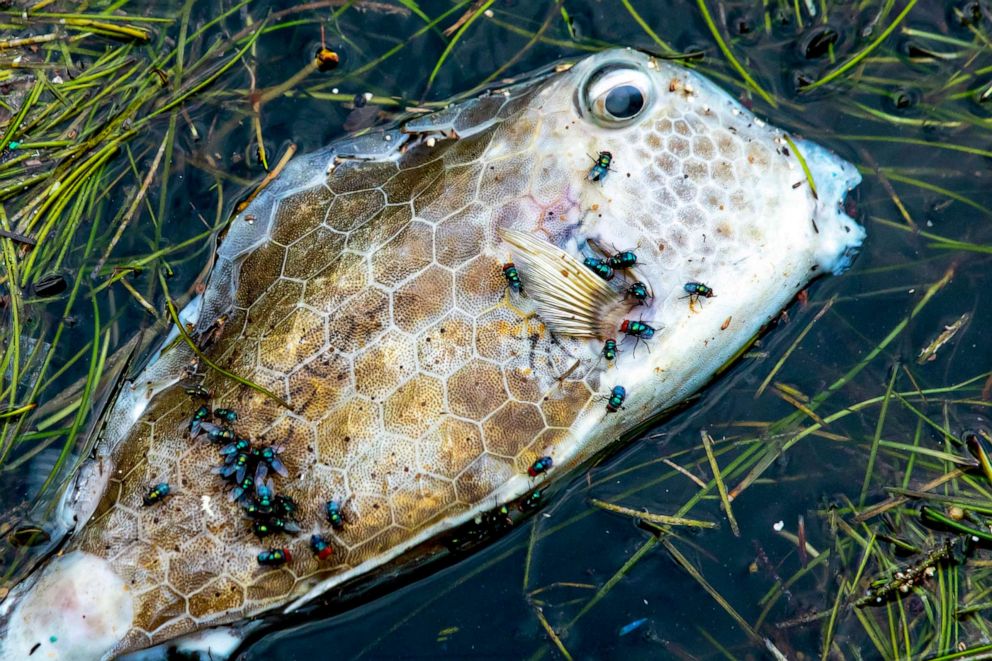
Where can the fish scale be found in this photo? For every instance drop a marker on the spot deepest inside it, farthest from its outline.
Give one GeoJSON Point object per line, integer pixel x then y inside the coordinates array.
{"type": "Point", "coordinates": [365, 287]}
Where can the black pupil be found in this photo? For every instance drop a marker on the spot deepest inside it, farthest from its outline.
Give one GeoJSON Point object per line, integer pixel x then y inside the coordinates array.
{"type": "Point", "coordinates": [624, 101]}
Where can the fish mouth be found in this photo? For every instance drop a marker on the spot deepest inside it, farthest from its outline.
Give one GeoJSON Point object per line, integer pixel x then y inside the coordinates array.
{"type": "Point", "coordinates": [77, 607]}
{"type": "Point", "coordinates": [840, 235]}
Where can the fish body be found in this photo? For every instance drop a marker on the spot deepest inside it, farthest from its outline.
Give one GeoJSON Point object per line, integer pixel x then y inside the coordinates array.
{"type": "Point", "coordinates": [364, 289]}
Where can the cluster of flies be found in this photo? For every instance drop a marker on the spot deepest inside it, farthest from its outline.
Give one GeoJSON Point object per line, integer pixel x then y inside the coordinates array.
{"type": "Point", "coordinates": [607, 268]}
{"type": "Point", "coordinates": [247, 468]}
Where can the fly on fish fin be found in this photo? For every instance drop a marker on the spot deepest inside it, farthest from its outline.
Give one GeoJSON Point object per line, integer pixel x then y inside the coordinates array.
{"type": "Point", "coordinates": [571, 299]}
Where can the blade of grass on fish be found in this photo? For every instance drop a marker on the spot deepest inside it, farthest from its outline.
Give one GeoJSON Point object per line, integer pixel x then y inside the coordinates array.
{"type": "Point", "coordinates": [803, 165]}
{"type": "Point", "coordinates": [647, 28]}
{"type": "Point", "coordinates": [865, 52]}
{"type": "Point", "coordinates": [662, 519]}
{"type": "Point", "coordinates": [715, 467]}
{"type": "Point", "coordinates": [879, 425]}
{"type": "Point", "coordinates": [792, 347]}
{"type": "Point", "coordinates": [690, 569]}
{"type": "Point", "coordinates": [177, 322]}
{"type": "Point", "coordinates": [725, 49]}
{"type": "Point", "coordinates": [479, 11]}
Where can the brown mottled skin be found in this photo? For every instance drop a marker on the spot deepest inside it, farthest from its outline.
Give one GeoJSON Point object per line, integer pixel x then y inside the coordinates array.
{"type": "Point", "coordinates": [408, 370]}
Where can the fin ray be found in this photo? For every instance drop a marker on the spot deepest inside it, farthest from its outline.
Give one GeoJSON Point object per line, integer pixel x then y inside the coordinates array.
{"type": "Point", "coordinates": [570, 298]}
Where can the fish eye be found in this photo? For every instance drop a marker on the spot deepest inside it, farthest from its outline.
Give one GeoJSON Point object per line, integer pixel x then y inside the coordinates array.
{"type": "Point", "coordinates": [616, 94]}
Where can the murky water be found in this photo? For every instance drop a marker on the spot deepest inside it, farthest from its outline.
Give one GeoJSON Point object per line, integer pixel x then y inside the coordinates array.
{"type": "Point", "coordinates": [920, 91]}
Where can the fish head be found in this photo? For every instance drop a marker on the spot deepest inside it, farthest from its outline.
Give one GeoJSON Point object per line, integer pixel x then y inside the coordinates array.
{"type": "Point", "coordinates": [702, 191]}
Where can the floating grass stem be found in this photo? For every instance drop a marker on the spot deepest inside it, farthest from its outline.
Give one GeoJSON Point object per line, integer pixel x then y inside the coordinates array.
{"type": "Point", "coordinates": [725, 49]}
{"type": "Point", "coordinates": [717, 597]}
{"type": "Point", "coordinates": [661, 519]}
{"type": "Point", "coordinates": [865, 52]}
{"type": "Point", "coordinates": [715, 467]}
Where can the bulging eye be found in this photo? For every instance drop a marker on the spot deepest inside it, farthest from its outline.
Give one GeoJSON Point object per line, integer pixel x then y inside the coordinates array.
{"type": "Point", "coordinates": [615, 95]}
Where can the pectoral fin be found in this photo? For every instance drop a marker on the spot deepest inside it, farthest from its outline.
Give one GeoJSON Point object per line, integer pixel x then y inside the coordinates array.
{"type": "Point", "coordinates": [570, 298]}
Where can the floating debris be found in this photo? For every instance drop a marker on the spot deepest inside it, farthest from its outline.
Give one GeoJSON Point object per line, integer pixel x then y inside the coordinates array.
{"type": "Point", "coordinates": [325, 59]}
{"type": "Point", "coordinates": [980, 447]}
{"type": "Point", "coordinates": [48, 286]}
{"type": "Point", "coordinates": [904, 580]}
{"type": "Point", "coordinates": [929, 352]}
{"type": "Point", "coordinates": [660, 519]}
{"type": "Point", "coordinates": [633, 626]}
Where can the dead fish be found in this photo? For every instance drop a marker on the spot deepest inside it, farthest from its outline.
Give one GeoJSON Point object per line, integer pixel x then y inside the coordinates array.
{"type": "Point", "coordinates": [365, 286]}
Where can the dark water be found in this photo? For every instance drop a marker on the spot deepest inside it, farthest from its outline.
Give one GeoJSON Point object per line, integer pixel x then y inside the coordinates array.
{"type": "Point", "coordinates": [921, 88]}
